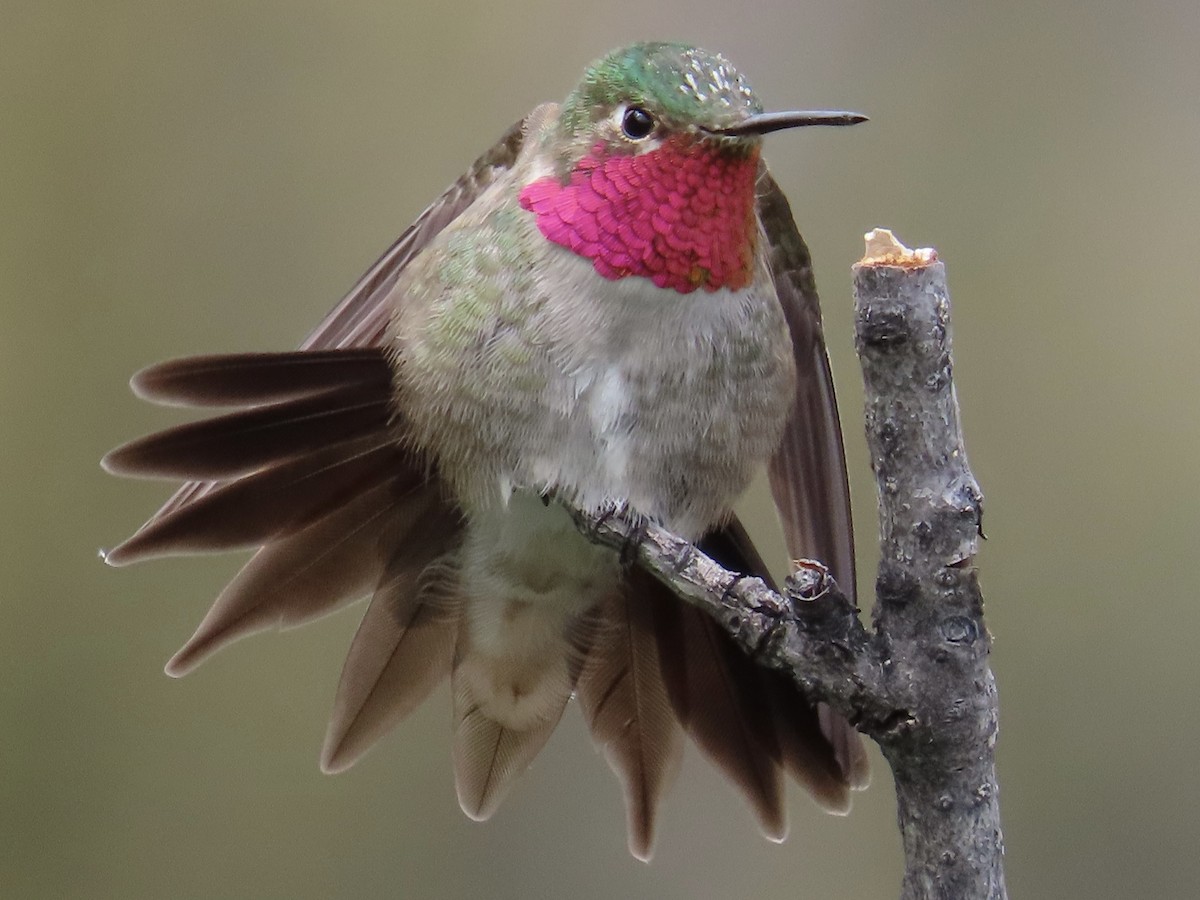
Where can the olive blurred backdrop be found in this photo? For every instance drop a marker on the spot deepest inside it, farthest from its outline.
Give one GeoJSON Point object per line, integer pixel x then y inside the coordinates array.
{"type": "Point", "coordinates": [201, 177]}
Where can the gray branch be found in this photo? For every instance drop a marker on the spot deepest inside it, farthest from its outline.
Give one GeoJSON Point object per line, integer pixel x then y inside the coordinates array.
{"type": "Point", "coordinates": [918, 682]}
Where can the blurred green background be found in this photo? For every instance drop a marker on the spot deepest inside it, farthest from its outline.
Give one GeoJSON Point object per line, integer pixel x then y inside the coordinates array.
{"type": "Point", "coordinates": [200, 177]}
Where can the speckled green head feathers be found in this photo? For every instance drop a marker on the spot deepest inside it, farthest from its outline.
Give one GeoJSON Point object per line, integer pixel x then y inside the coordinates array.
{"type": "Point", "coordinates": [682, 84]}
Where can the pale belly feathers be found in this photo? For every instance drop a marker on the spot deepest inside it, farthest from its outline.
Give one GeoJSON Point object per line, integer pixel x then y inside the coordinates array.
{"type": "Point", "coordinates": [525, 374]}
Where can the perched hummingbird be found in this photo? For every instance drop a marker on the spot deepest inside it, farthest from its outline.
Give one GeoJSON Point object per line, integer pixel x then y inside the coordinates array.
{"type": "Point", "coordinates": [613, 305]}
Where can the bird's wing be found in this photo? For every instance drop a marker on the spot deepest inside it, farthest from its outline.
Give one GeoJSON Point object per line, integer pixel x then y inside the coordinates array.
{"type": "Point", "coordinates": [808, 470]}
{"type": "Point", "coordinates": [307, 467]}
{"type": "Point", "coordinates": [361, 318]}
{"type": "Point", "coordinates": [357, 322]}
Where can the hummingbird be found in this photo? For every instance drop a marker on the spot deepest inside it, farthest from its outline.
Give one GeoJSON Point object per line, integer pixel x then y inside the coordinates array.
{"type": "Point", "coordinates": [612, 306]}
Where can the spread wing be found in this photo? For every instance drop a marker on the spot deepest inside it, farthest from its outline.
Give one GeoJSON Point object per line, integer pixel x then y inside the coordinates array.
{"type": "Point", "coordinates": [808, 470]}
{"type": "Point", "coordinates": [360, 318]}
{"type": "Point", "coordinates": [357, 322]}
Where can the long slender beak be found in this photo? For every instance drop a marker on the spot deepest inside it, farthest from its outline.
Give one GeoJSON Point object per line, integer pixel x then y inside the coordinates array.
{"type": "Point", "coordinates": [777, 121]}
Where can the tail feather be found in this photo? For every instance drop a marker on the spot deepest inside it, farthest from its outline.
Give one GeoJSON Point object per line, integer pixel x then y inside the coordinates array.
{"type": "Point", "coordinates": [508, 698]}
{"type": "Point", "coordinates": [712, 687]}
{"type": "Point", "coordinates": [488, 755]}
{"type": "Point", "coordinates": [803, 749]}
{"type": "Point", "coordinates": [816, 746]}
{"type": "Point", "coordinates": [404, 646]}
{"type": "Point", "coordinates": [848, 749]}
{"type": "Point", "coordinates": [624, 700]}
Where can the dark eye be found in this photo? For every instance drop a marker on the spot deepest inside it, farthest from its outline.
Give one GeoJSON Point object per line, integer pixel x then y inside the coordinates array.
{"type": "Point", "coordinates": [637, 123]}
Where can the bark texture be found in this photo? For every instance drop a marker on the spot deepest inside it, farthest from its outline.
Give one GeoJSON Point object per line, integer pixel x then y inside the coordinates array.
{"type": "Point", "coordinates": [918, 682]}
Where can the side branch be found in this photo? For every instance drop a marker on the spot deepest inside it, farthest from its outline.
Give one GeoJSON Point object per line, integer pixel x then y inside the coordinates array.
{"type": "Point", "coordinates": [811, 632]}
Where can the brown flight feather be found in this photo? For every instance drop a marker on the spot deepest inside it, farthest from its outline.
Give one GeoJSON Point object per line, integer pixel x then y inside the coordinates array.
{"type": "Point", "coordinates": [488, 756]}
{"type": "Point", "coordinates": [242, 442]}
{"type": "Point", "coordinates": [268, 504]}
{"type": "Point", "coordinates": [815, 745]}
{"type": "Point", "coordinates": [706, 684]}
{"type": "Point", "coordinates": [624, 700]}
{"type": "Point", "coordinates": [808, 471]}
{"type": "Point", "coordinates": [250, 379]}
{"type": "Point", "coordinates": [334, 561]}
{"type": "Point", "coordinates": [404, 645]}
